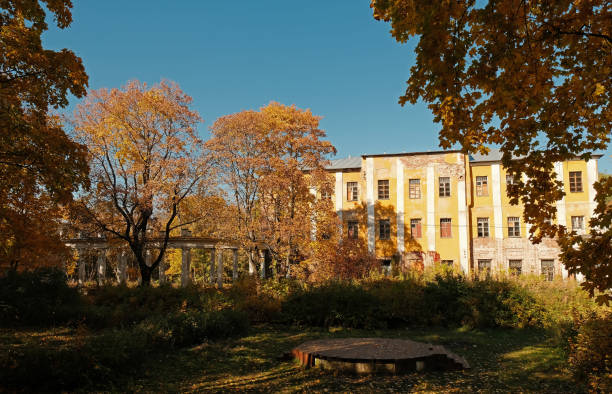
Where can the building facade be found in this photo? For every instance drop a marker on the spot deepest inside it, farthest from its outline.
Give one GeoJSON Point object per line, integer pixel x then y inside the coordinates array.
{"type": "Point", "coordinates": [448, 206]}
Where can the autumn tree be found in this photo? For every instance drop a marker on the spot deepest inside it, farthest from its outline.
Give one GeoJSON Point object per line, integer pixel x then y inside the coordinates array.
{"type": "Point", "coordinates": [145, 159]}
{"type": "Point", "coordinates": [293, 172]}
{"type": "Point", "coordinates": [239, 146]}
{"type": "Point", "coordinates": [533, 77]}
{"type": "Point", "coordinates": [36, 155]}
{"type": "Point", "coordinates": [271, 161]}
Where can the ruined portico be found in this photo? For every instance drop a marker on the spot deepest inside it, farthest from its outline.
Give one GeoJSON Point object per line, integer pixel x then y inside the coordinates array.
{"type": "Point", "coordinates": [186, 243]}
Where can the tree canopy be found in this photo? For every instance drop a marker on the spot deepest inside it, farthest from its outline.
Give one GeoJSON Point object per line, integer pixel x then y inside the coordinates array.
{"type": "Point", "coordinates": [145, 159]}
{"type": "Point", "coordinates": [534, 77]}
{"type": "Point", "coordinates": [40, 165]}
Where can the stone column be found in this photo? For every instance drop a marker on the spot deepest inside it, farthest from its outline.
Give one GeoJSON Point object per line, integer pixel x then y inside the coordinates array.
{"type": "Point", "coordinates": [234, 265]}
{"type": "Point", "coordinates": [122, 267]}
{"type": "Point", "coordinates": [185, 266]}
{"type": "Point", "coordinates": [211, 271]}
{"type": "Point", "coordinates": [262, 260]}
{"type": "Point", "coordinates": [81, 266]}
{"type": "Point", "coordinates": [220, 269]}
{"type": "Point", "coordinates": [101, 266]}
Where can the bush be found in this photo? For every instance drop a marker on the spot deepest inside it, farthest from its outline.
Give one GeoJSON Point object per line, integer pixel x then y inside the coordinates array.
{"type": "Point", "coordinates": [333, 304]}
{"type": "Point", "coordinates": [38, 298]}
{"type": "Point", "coordinates": [590, 358]}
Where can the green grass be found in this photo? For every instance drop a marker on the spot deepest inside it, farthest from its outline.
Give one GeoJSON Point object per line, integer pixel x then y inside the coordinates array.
{"type": "Point", "coordinates": [501, 360]}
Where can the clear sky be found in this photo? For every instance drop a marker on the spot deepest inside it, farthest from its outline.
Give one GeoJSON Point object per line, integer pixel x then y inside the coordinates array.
{"type": "Point", "coordinates": [330, 56]}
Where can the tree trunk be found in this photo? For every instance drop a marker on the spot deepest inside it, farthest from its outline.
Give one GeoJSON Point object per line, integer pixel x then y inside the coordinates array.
{"type": "Point", "coordinates": [145, 274]}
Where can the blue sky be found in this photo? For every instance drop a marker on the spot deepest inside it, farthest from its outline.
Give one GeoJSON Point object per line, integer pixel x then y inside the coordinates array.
{"type": "Point", "coordinates": [329, 56]}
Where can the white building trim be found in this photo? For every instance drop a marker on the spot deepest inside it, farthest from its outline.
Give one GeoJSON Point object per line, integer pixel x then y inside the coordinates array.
{"type": "Point", "coordinates": [399, 168]}
{"type": "Point", "coordinates": [561, 216]}
{"type": "Point", "coordinates": [592, 177]}
{"type": "Point", "coordinates": [431, 209]}
{"type": "Point", "coordinates": [370, 203]}
{"type": "Point", "coordinates": [498, 228]}
{"type": "Point", "coordinates": [338, 192]}
{"type": "Point", "coordinates": [463, 227]}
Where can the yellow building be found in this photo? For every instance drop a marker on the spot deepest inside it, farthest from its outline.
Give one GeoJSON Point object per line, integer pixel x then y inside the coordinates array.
{"type": "Point", "coordinates": [451, 207]}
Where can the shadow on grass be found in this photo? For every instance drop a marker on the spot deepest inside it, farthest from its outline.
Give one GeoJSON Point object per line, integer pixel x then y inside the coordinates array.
{"type": "Point", "coordinates": [501, 360]}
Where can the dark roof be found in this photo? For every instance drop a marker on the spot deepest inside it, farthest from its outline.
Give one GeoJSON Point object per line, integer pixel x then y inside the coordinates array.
{"type": "Point", "coordinates": [436, 152]}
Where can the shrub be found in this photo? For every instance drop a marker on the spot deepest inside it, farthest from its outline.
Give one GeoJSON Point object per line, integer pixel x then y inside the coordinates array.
{"type": "Point", "coordinates": [38, 298]}
{"type": "Point", "coordinates": [333, 304]}
{"type": "Point", "coordinates": [590, 358]}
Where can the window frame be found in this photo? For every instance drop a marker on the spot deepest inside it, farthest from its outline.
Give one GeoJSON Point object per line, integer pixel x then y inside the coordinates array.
{"type": "Point", "coordinates": [449, 228]}
{"type": "Point", "coordinates": [383, 189]}
{"type": "Point", "coordinates": [386, 235]}
{"type": "Point", "coordinates": [355, 225]}
{"type": "Point", "coordinates": [416, 224]}
{"type": "Point", "coordinates": [516, 228]}
{"type": "Point", "coordinates": [549, 272]}
{"type": "Point", "coordinates": [487, 263]}
{"type": "Point", "coordinates": [482, 186]}
{"type": "Point", "coordinates": [513, 271]}
{"type": "Point", "coordinates": [352, 190]}
{"type": "Point", "coordinates": [575, 182]}
{"type": "Point", "coordinates": [444, 189]}
{"type": "Point", "coordinates": [414, 189]}
{"type": "Point", "coordinates": [484, 229]}
{"type": "Point", "coordinates": [579, 219]}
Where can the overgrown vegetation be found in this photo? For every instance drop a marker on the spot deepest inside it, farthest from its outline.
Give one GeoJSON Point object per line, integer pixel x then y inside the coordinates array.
{"type": "Point", "coordinates": [114, 332]}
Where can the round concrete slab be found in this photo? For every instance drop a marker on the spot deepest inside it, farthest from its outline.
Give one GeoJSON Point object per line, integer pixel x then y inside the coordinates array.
{"type": "Point", "coordinates": [370, 355]}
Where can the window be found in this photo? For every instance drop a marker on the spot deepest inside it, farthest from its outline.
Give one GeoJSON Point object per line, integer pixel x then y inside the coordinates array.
{"type": "Point", "coordinates": [383, 189]}
{"type": "Point", "coordinates": [384, 229]}
{"type": "Point", "coordinates": [514, 226]}
{"type": "Point", "coordinates": [444, 182]}
{"type": "Point", "coordinates": [353, 229]}
{"type": "Point", "coordinates": [575, 178]}
{"type": "Point", "coordinates": [483, 227]}
{"type": "Point", "coordinates": [447, 262]}
{"type": "Point", "coordinates": [445, 228]}
{"type": "Point", "coordinates": [484, 266]}
{"type": "Point", "coordinates": [509, 179]}
{"type": "Point", "coordinates": [414, 188]}
{"type": "Point", "coordinates": [482, 186]}
{"type": "Point", "coordinates": [515, 266]}
{"type": "Point", "coordinates": [578, 224]}
{"type": "Point", "coordinates": [352, 191]}
{"type": "Point", "coordinates": [548, 269]}
{"type": "Point", "coordinates": [415, 228]}
{"type": "Point", "coordinates": [326, 195]}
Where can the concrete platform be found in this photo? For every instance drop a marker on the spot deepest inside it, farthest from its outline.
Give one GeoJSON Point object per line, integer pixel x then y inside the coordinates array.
{"type": "Point", "coordinates": [376, 355]}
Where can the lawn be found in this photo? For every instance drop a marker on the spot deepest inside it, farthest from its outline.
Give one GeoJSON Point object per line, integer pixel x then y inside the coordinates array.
{"type": "Point", "coordinates": [501, 360]}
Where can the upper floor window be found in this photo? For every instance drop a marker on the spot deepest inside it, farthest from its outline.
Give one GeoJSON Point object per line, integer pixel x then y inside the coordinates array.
{"type": "Point", "coordinates": [483, 227]}
{"type": "Point", "coordinates": [352, 191]}
{"type": "Point", "coordinates": [482, 186]}
{"type": "Point", "coordinates": [326, 194]}
{"type": "Point", "coordinates": [514, 226]}
{"type": "Point", "coordinates": [383, 189]}
{"type": "Point", "coordinates": [384, 229]}
{"type": "Point", "coordinates": [575, 179]}
{"type": "Point", "coordinates": [415, 228]}
{"type": "Point", "coordinates": [414, 188]}
{"type": "Point", "coordinates": [353, 229]}
{"type": "Point", "coordinates": [445, 228]}
{"type": "Point", "coordinates": [578, 224]}
{"type": "Point", "coordinates": [444, 183]}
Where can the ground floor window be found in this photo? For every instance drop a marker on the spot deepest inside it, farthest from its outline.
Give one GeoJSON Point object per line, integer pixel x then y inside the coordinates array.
{"type": "Point", "coordinates": [384, 229]}
{"type": "Point", "coordinates": [484, 265]}
{"type": "Point", "coordinates": [353, 229]}
{"type": "Point", "coordinates": [548, 269]}
{"type": "Point", "coordinates": [516, 267]}
{"type": "Point", "coordinates": [447, 262]}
